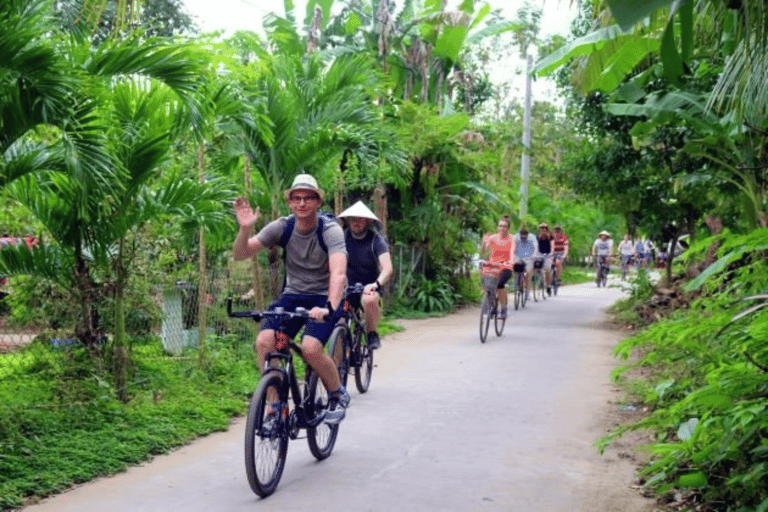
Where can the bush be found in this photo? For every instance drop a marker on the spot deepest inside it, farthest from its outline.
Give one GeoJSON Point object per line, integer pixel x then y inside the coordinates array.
{"type": "Point", "coordinates": [708, 389]}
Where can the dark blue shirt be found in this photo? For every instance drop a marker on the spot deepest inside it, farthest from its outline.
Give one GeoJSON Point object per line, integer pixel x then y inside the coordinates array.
{"type": "Point", "coordinates": [363, 256]}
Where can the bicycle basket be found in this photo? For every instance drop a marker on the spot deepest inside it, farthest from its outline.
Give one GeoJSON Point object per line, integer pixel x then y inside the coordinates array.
{"type": "Point", "coordinates": [538, 264]}
{"type": "Point", "coordinates": [490, 277]}
{"type": "Point", "coordinates": [519, 267]}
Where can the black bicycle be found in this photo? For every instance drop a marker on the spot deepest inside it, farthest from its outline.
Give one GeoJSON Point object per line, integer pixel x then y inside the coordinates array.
{"type": "Point", "coordinates": [272, 422]}
{"type": "Point", "coordinates": [490, 274]}
{"type": "Point", "coordinates": [520, 277]}
{"type": "Point", "coordinates": [601, 276]}
{"type": "Point", "coordinates": [538, 280]}
{"type": "Point", "coordinates": [555, 274]}
{"type": "Point", "coordinates": [358, 356]}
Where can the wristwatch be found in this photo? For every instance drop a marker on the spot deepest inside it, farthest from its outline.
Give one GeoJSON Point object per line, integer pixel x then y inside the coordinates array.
{"type": "Point", "coordinates": [378, 285]}
{"type": "Point", "coordinates": [330, 309]}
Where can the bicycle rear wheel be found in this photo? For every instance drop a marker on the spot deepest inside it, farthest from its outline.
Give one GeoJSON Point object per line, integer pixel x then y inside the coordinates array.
{"type": "Point", "coordinates": [322, 437]}
{"type": "Point", "coordinates": [486, 310]}
{"type": "Point", "coordinates": [266, 442]}
{"type": "Point", "coordinates": [364, 361]}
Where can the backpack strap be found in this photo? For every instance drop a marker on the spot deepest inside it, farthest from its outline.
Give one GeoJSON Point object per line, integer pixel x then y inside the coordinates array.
{"type": "Point", "coordinates": [288, 231]}
{"type": "Point", "coordinates": [291, 224]}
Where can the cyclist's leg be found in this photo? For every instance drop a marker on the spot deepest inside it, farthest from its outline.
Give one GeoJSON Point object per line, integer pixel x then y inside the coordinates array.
{"type": "Point", "coordinates": [372, 313]}
{"type": "Point", "coordinates": [548, 269]}
{"type": "Point", "coordinates": [316, 335]}
{"type": "Point", "coordinates": [501, 290]}
{"type": "Point", "coordinates": [371, 309]}
{"type": "Point", "coordinates": [528, 274]}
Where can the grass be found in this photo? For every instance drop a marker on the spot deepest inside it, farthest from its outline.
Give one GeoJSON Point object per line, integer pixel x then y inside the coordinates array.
{"type": "Point", "coordinates": [61, 424]}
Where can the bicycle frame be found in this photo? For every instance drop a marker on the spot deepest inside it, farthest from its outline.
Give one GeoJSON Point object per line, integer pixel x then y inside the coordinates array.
{"type": "Point", "coordinates": [287, 368]}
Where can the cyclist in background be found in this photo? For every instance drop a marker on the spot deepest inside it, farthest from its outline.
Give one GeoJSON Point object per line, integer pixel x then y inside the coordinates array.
{"type": "Point", "coordinates": [602, 249]}
{"type": "Point", "coordinates": [640, 253]}
{"type": "Point", "coordinates": [648, 249]}
{"type": "Point", "coordinates": [369, 262]}
{"type": "Point", "coordinates": [526, 249]}
{"type": "Point", "coordinates": [502, 247]}
{"type": "Point", "coordinates": [559, 249]}
{"type": "Point", "coordinates": [627, 250]}
{"type": "Point", "coordinates": [544, 240]}
{"type": "Point", "coordinates": [314, 280]}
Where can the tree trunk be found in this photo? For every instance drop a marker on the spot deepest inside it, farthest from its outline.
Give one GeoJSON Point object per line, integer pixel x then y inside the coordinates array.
{"type": "Point", "coordinates": [120, 356]}
{"type": "Point", "coordinates": [380, 205]}
{"type": "Point", "coordinates": [202, 284]}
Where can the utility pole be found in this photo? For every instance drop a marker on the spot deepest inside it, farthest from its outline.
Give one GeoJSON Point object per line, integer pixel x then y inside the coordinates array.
{"type": "Point", "coordinates": [526, 159]}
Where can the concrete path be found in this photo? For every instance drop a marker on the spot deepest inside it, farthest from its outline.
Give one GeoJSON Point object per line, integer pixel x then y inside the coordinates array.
{"type": "Point", "coordinates": [449, 424]}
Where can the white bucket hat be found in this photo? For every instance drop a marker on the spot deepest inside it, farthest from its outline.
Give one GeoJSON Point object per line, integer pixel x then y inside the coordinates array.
{"type": "Point", "coordinates": [360, 210]}
{"type": "Point", "coordinates": [604, 233]}
{"type": "Point", "coordinates": [305, 182]}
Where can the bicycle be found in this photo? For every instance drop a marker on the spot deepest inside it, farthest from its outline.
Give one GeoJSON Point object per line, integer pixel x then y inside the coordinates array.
{"type": "Point", "coordinates": [490, 273]}
{"type": "Point", "coordinates": [555, 283]}
{"type": "Point", "coordinates": [626, 262]}
{"type": "Point", "coordinates": [357, 356]}
{"type": "Point", "coordinates": [601, 276]}
{"type": "Point", "coordinates": [267, 435]}
{"type": "Point", "coordinates": [538, 280]}
{"type": "Point", "coordinates": [520, 298]}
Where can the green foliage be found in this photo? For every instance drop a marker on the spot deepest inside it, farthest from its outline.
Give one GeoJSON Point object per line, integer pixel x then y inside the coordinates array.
{"type": "Point", "coordinates": [433, 296]}
{"type": "Point", "coordinates": [709, 387]}
{"type": "Point", "coordinates": [61, 413]}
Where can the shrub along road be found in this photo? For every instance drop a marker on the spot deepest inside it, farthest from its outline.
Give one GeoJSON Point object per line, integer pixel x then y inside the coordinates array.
{"type": "Point", "coordinates": [448, 424]}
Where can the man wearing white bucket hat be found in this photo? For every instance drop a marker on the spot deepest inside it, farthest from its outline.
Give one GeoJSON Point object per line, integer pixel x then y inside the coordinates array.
{"type": "Point", "coordinates": [369, 263]}
{"type": "Point", "coordinates": [316, 265]}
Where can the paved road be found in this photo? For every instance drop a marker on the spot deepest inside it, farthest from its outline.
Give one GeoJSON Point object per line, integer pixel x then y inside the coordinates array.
{"type": "Point", "coordinates": [448, 424]}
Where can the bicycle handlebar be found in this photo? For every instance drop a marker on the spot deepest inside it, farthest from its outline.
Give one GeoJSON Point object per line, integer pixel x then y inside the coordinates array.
{"type": "Point", "coordinates": [356, 288]}
{"type": "Point", "coordinates": [258, 315]}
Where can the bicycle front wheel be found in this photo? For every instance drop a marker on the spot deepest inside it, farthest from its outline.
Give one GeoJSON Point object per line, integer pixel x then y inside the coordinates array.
{"type": "Point", "coordinates": [266, 439]}
{"type": "Point", "coordinates": [555, 282]}
{"type": "Point", "coordinates": [498, 324]}
{"type": "Point", "coordinates": [486, 310]}
{"type": "Point", "coordinates": [364, 368]}
{"type": "Point", "coordinates": [338, 348]}
{"type": "Point", "coordinates": [543, 286]}
{"type": "Point", "coordinates": [535, 279]}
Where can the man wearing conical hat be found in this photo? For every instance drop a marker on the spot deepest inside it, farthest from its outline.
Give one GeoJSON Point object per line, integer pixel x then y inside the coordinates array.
{"type": "Point", "coordinates": [369, 263]}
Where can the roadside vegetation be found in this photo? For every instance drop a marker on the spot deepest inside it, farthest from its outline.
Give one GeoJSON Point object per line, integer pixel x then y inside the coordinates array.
{"type": "Point", "coordinates": [700, 366]}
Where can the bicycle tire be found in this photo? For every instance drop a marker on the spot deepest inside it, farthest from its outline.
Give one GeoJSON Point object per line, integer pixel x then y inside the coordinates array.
{"type": "Point", "coordinates": [364, 368]}
{"type": "Point", "coordinates": [322, 438]}
{"type": "Point", "coordinates": [486, 310]}
{"type": "Point", "coordinates": [535, 285]}
{"type": "Point", "coordinates": [265, 453]}
{"type": "Point", "coordinates": [555, 281]}
{"type": "Point", "coordinates": [604, 277]}
{"type": "Point", "coordinates": [498, 324]}
{"type": "Point", "coordinates": [543, 286]}
{"type": "Point", "coordinates": [339, 351]}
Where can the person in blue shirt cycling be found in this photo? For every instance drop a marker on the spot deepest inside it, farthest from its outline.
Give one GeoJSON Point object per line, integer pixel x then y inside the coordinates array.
{"type": "Point", "coordinates": [526, 249]}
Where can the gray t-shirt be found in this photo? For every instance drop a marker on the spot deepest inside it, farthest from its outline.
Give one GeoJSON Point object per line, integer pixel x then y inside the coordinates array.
{"type": "Point", "coordinates": [306, 262]}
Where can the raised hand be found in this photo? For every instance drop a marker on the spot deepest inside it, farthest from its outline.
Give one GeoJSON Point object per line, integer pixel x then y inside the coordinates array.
{"type": "Point", "coordinates": [246, 217]}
